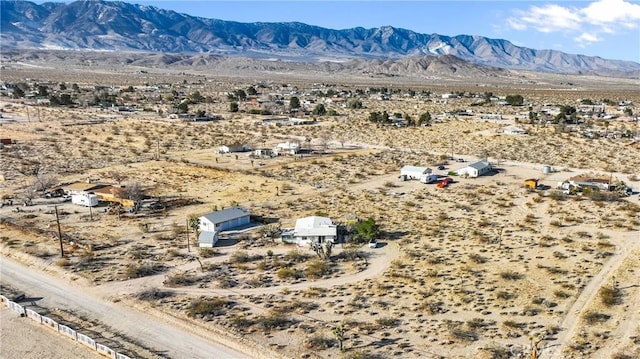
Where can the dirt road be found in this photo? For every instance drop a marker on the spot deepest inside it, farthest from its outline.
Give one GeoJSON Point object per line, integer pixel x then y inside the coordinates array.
{"type": "Point", "coordinates": [175, 340]}
{"type": "Point", "coordinates": [629, 244]}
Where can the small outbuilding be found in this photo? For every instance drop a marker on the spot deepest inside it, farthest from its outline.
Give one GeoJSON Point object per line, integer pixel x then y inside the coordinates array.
{"type": "Point", "coordinates": [286, 148]}
{"type": "Point", "coordinates": [207, 239]}
{"type": "Point", "coordinates": [477, 169]}
{"type": "Point", "coordinates": [234, 147]}
{"type": "Point", "coordinates": [514, 130]}
{"type": "Point", "coordinates": [414, 172]}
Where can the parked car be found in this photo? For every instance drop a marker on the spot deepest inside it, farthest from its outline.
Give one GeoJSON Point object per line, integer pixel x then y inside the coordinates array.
{"type": "Point", "coordinates": [461, 160]}
{"type": "Point", "coordinates": [373, 243]}
{"type": "Point", "coordinates": [441, 167]}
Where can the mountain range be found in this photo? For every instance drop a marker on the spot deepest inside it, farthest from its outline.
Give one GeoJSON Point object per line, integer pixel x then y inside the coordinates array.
{"type": "Point", "coordinates": [120, 26]}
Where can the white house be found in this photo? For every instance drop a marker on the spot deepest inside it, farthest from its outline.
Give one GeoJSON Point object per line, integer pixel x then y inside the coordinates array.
{"type": "Point", "coordinates": [213, 223]}
{"type": "Point", "coordinates": [288, 148]}
{"type": "Point", "coordinates": [513, 130]}
{"type": "Point", "coordinates": [414, 172]}
{"type": "Point", "coordinates": [311, 229]}
{"type": "Point", "coordinates": [262, 152]}
{"type": "Point", "coordinates": [235, 147]}
{"type": "Point", "coordinates": [475, 169]}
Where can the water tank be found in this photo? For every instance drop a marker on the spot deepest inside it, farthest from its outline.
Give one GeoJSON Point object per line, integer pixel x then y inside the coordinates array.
{"type": "Point", "coordinates": [546, 169]}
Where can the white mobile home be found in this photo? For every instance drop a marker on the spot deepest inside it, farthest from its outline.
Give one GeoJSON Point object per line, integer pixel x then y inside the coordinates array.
{"type": "Point", "coordinates": [414, 172]}
{"type": "Point", "coordinates": [87, 200]}
{"type": "Point", "coordinates": [286, 148]}
{"type": "Point", "coordinates": [236, 147]}
{"type": "Point", "coordinates": [429, 178]}
{"type": "Point", "coordinates": [475, 169]}
{"type": "Point", "coordinates": [311, 229]}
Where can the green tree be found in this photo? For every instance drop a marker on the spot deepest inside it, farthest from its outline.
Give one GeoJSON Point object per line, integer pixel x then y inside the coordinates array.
{"type": "Point", "coordinates": [43, 91]}
{"type": "Point", "coordinates": [319, 110]}
{"type": "Point", "coordinates": [628, 111]}
{"type": "Point", "coordinates": [75, 87]}
{"type": "Point", "coordinates": [240, 94]}
{"type": "Point", "coordinates": [196, 97]}
{"type": "Point", "coordinates": [515, 100]}
{"type": "Point", "coordinates": [294, 102]}
{"type": "Point", "coordinates": [18, 92]}
{"type": "Point", "coordinates": [354, 104]}
{"type": "Point", "coordinates": [63, 87]}
{"type": "Point", "coordinates": [183, 107]}
{"type": "Point", "coordinates": [425, 118]}
{"type": "Point", "coordinates": [251, 91]}
{"type": "Point", "coordinates": [65, 99]}
{"type": "Point", "coordinates": [233, 107]}
{"type": "Point", "coordinates": [200, 113]}
{"type": "Point", "coordinates": [366, 230]}
{"type": "Point", "coordinates": [408, 119]}
{"type": "Point", "coordinates": [338, 333]}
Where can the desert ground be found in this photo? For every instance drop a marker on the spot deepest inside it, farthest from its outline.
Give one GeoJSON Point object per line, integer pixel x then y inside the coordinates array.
{"type": "Point", "coordinates": [484, 268]}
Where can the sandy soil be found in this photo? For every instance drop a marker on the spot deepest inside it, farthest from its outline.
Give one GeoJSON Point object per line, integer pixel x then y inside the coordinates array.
{"type": "Point", "coordinates": [472, 270]}
{"type": "Point", "coordinates": [23, 338]}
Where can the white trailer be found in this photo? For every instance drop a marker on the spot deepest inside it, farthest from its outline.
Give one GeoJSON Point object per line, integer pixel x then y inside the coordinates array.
{"type": "Point", "coordinates": [429, 178]}
{"type": "Point", "coordinates": [413, 172]}
{"type": "Point", "coordinates": [87, 200]}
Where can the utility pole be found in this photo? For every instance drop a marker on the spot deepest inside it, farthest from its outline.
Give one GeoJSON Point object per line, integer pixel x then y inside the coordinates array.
{"type": "Point", "coordinates": [188, 245]}
{"type": "Point", "coordinates": [59, 232]}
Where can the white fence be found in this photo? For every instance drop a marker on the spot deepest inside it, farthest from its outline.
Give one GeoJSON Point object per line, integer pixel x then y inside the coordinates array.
{"type": "Point", "coordinates": [63, 329]}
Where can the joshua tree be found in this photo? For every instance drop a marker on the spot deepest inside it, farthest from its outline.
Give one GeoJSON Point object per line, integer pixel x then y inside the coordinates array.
{"type": "Point", "coordinates": [338, 332]}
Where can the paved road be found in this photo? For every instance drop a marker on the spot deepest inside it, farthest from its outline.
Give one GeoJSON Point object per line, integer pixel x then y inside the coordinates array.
{"type": "Point", "coordinates": [176, 342]}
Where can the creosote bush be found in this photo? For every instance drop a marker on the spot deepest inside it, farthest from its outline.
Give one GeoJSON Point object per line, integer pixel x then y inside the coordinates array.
{"type": "Point", "coordinates": [211, 306]}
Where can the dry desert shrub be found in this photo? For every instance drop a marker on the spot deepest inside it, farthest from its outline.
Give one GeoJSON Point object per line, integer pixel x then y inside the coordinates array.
{"type": "Point", "coordinates": [610, 295]}
{"type": "Point", "coordinates": [154, 294]}
{"type": "Point", "coordinates": [319, 342]}
{"type": "Point", "coordinates": [209, 307]}
{"type": "Point", "coordinates": [593, 317]}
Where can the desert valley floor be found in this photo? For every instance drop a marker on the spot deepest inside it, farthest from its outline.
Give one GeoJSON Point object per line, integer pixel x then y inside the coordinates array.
{"type": "Point", "coordinates": [482, 268]}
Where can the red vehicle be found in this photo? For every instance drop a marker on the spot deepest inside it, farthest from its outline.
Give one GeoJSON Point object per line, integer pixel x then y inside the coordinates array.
{"type": "Point", "coordinates": [444, 183]}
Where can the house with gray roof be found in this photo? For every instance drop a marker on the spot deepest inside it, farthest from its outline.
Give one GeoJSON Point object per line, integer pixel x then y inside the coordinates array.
{"type": "Point", "coordinates": [215, 222]}
{"type": "Point", "coordinates": [477, 169]}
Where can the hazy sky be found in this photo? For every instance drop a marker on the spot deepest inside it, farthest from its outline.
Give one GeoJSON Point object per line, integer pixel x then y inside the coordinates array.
{"type": "Point", "coordinates": [605, 28]}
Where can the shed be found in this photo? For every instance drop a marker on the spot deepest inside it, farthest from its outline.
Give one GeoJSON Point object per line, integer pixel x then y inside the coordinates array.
{"type": "Point", "coordinates": [225, 219]}
{"type": "Point", "coordinates": [475, 169]}
{"type": "Point", "coordinates": [207, 239]}
{"type": "Point", "coordinates": [78, 188]}
{"type": "Point", "coordinates": [414, 172]}
{"type": "Point", "coordinates": [235, 147]}
{"type": "Point", "coordinates": [289, 148]}
{"type": "Point", "coordinates": [513, 130]}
